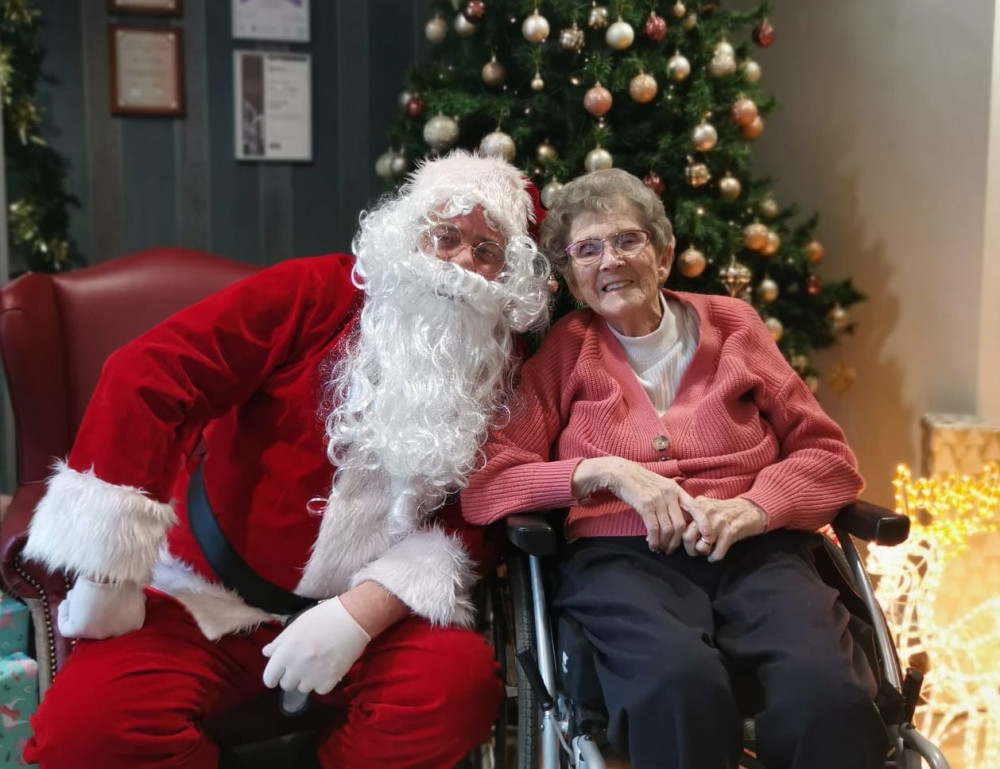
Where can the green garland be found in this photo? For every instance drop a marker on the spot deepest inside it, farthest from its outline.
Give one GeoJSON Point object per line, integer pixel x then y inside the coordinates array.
{"type": "Point", "coordinates": [39, 203]}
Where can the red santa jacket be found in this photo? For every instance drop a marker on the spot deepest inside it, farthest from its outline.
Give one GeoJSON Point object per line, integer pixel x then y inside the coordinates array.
{"type": "Point", "coordinates": [241, 373]}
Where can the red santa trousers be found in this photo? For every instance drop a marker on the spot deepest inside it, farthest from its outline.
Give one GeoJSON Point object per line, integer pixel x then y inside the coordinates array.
{"type": "Point", "coordinates": [420, 697]}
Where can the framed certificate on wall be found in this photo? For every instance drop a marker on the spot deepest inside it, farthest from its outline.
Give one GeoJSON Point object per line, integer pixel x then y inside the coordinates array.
{"type": "Point", "coordinates": [273, 105]}
{"type": "Point", "coordinates": [286, 20]}
{"type": "Point", "coordinates": [147, 70]}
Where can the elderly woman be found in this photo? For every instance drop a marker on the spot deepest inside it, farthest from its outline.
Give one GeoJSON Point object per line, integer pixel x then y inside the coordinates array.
{"type": "Point", "coordinates": [695, 464]}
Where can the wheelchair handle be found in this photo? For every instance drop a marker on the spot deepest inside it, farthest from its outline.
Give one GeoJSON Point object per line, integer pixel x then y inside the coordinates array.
{"type": "Point", "coordinates": [529, 668]}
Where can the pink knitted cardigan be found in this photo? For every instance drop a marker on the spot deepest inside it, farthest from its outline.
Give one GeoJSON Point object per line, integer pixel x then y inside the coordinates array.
{"type": "Point", "coordinates": [742, 424]}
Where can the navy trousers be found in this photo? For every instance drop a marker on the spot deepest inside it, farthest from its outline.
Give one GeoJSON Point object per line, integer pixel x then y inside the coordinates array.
{"type": "Point", "coordinates": [672, 633]}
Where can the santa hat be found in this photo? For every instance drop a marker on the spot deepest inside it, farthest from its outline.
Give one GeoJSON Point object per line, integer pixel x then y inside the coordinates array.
{"type": "Point", "coordinates": [488, 181]}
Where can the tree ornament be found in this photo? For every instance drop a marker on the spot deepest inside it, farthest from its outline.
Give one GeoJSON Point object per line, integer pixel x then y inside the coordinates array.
{"type": "Point", "coordinates": [837, 318]}
{"type": "Point", "coordinates": [735, 276]}
{"type": "Point", "coordinates": [678, 67]}
{"type": "Point", "coordinates": [620, 35]}
{"type": "Point", "coordinates": [767, 291]}
{"type": "Point", "coordinates": [768, 207]}
{"type": "Point", "coordinates": [755, 236]}
{"type": "Point", "coordinates": [545, 152]}
{"type": "Point", "coordinates": [463, 26]}
{"type": "Point", "coordinates": [704, 136]}
{"type": "Point", "coordinates": [597, 101]}
{"type": "Point", "coordinates": [399, 164]}
{"type": "Point", "coordinates": [753, 129]}
{"type": "Point", "coordinates": [571, 39]}
{"type": "Point", "coordinates": [697, 174]}
{"type": "Point", "coordinates": [642, 88]}
{"type": "Point", "coordinates": [814, 251]}
{"type": "Point", "coordinates": [499, 145]}
{"type": "Point", "coordinates": [474, 11]}
{"type": "Point", "coordinates": [813, 285]}
{"type": "Point", "coordinates": [494, 73]}
{"type": "Point", "coordinates": [774, 328]}
{"type": "Point", "coordinates": [841, 377]}
{"type": "Point", "coordinates": [763, 33]}
{"type": "Point", "coordinates": [689, 22]}
{"type": "Point", "coordinates": [723, 61]}
{"type": "Point", "coordinates": [654, 182]}
{"type": "Point", "coordinates": [691, 262]}
{"type": "Point", "coordinates": [535, 28]}
{"type": "Point", "coordinates": [729, 187]}
{"type": "Point", "coordinates": [598, 159]}
{"type": "Point", "coordinates": [414, 107]}
{"type": "Point", "coordinates": [404, 97]}
{"type": "Point", "coordinates": [549, 193]}
{"type": "Point", "coordinates": [598, 17]}
{"type": "Point", "coordinates": [678, 10]}
{"type": "Point", "coordinates": [800, 363]}
{"type": "Point", "coordinates": [436, 30]}
{"type": "Point", "coordinates": [772, 244]}
{"type": "Point", "coordinates": [744, 110]}
{"type": "Point", "coordinates": [751, 71]}
{"type": "Point", "coordinates": [655, 27]}
{"type": "Point", "coordinates": [440, 132]}
{"type": "Point", "coordinates": [383, 166]}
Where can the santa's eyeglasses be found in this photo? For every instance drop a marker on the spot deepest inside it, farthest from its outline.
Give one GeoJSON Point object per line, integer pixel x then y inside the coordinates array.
{"type": "Point", "coordinates": [446, 241]}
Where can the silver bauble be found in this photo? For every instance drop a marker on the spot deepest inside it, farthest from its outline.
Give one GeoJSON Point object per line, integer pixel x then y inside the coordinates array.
{"type": "Point", "coordinates": [768, 207]}
{"type": "Point", "coordinates": [751, 71]}
{"type": "Point", "coordinates": [436, 30]}
{"type": "Point", "coordinates": [464, 27]}
{"type": "Point", "coordinates": [678, 67]}
{"type": "Point", "coordinates": [535, 28]}
{"type": "Point", "coordinates": [838, 318]}
{"type": "Point", "coordinates": [499, 145]}
{"type": "Point", "coordinates": [704, 136]}
{"type": "Point", "coordinates": [620, 35]}
{"type": "Point", "coordinates": [494, 73]}
{"type": "Point", "coordinates": [399, 164]}
{"type": "Point", "coordinates": [383, 166]}
{"type": "Point", "coordinates": [549, 193]}
{"type": "Point", "coordinates": [721, 65]}
{"type": "Point", "coordinates": [404, 98]}
{"type": "Point", "coordinates": [571, 39]}
{"type": "Point", "coordinates": [598, 159]}
{"type": "Point", "coordinates": [440, 132]}
{"type": "Point", "coordinates": [537, 84]}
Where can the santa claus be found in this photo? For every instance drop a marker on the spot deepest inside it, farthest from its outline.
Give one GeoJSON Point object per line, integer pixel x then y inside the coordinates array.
{"type": "Point", "coordinates": [198, 507]}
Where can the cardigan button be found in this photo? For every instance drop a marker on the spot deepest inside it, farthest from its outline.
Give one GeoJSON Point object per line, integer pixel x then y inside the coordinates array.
{"type": "Point", "coordinates": [660, 442]}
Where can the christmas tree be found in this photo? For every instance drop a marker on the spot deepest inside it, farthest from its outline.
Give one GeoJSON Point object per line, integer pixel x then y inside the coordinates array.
{"type": "Point", "coordinates": [668, 91]}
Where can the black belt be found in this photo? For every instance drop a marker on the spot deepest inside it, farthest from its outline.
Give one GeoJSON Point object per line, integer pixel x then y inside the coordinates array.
{"type": "Point", "coordinates": [227, 564]}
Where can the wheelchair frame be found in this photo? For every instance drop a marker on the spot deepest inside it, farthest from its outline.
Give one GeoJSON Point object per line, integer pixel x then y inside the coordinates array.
{"type": "Point", "coordinates": [543, 732]}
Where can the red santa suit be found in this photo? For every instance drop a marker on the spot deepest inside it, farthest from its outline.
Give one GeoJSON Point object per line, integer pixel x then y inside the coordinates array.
{"type": "Point", "coordinates": [241, 375]}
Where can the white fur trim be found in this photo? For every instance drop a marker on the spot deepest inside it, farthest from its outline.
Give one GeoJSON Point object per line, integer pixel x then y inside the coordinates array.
{"type": "Point", "coordinates": [217, 610]}
{"type": "Point", "coordinates": [87, 526]}
{"type": "Point", "coordinates": [430, 572]}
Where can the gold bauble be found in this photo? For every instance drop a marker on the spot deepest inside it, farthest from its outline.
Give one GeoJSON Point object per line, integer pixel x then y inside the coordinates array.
{"type": "Point", "coordinates": [704, 136]}
{"type": "Point", "coordinates": [697, 174]}
{"type": "Point", "coordinates": [598, 159]}
{"type": "Point", "coordinates": [642, 88]}
{"type": "Point", "coordinates": [545, 152]}
{"type": "Point", "coordinates": [537, 84]}
{"type": "Point", "coordinates": [597, 101]}
{"type": "Point", "coordinates": [744, 111]}
{"type": "Point", "coordinates": [723, 61]}
{"type": "Point", "coordinates": [754, 128]}
{"type": "Point", "coordinates": [691, 262]}
{"type": "Point", "coordinates": [535, 28]}
{"type": "Point", "coordinates": [598, 18]}
{"type": "Point", "coordinates": [729, 187]}
{"type": "Point", "coordinates": [620, 35]}
{"type": "Point", "coordinates": [755, 236]}
{"type": "Point", "coordinates": [772, 244]}
{"type": "Point", "coordinates": [440, 132]}
{"type": "Point", "coordinates": [767, 291]}
{"type": "Point", "coordinates": [814, 251]}
{"type": "Point", "coordinates": [774, 328]}
{"type": "Point", "coordinates": [690, 22]}
{"type": "Point", "coordinates": [678, 67]}
{"type": "Point", "coordinates": [494, 73]}
{"type": "Point", "coordinates": [768, 207]}
{"type": "Point", "coordinates": [812, 383]}
{"type": "Point", "coordinates": [735, 276]}
{"type": "Point", "coordinates": [838, 318]}
{"type": "Point", "coordinates": [436, 30]}
{"type": "Point", "coordinates": [549, 193]}
{"type": "Point", "coordinates": [678, 10]}
{"type": "Point", "coordinates": [571, 39]}
{"type": "Point", "coordinates": [799, 362]}
{"type": "Point", "coordinates": [751, 71]}
{"type": "Point", "coordinates": [464, 27]}
{"type": "Point", "coordinates": [499, 145]}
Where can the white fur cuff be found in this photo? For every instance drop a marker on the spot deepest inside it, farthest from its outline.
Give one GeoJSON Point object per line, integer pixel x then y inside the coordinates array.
{"type": "Point", "coordinates": [431, 573]}
{"type": "Point", "coordinates": [86, 526]}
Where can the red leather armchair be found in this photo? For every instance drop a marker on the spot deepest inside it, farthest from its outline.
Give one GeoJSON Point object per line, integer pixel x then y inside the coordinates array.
{"type": "Point", "coordinates": [55, 333]}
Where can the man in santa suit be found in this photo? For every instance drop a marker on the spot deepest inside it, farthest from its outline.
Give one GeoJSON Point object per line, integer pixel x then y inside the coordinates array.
{"type": "Point", "coordinates": [327, 409]}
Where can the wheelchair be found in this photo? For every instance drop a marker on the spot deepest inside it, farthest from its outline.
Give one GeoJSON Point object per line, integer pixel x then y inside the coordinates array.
{"type": "Point", "coordinates": [554, 718]}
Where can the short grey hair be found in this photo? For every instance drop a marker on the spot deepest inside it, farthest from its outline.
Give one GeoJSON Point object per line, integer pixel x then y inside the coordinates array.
{"type": "Point", "coordinates": [608, 191]}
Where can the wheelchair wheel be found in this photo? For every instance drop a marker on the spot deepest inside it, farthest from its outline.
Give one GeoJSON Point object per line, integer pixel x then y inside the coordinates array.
{"type": "Point", "coordinates": [522, 634]}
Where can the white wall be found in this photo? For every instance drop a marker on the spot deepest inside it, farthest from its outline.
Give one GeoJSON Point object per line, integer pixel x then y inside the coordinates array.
{"type": "Point", "coordinates": [885, 132]}
{"type": "Point", "coordinates": [989, 317]}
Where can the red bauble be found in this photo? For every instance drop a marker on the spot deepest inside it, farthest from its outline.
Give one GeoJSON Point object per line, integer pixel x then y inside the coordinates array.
{"type": "Point", "coordinates": [414, 107]}
{"type": "Point", "coordinates": [763, 33]}
{"type": "Point", "coordinates": [813, 285]}
{"type": "Point", "coordinates": [655, 27]}
{"type": "Point", "coordinates": [654, 182]}
{"type": "Point", "coordinates": [474, 11]}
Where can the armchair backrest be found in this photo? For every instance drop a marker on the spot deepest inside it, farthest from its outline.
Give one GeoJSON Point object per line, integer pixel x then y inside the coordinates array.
{"type": "Point", "coordinates": [56, 332]}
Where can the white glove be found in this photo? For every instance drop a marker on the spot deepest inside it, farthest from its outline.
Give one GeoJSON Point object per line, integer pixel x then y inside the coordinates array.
{"type": "Point", "coordinates": [315, 651]}
{"type": "Point", "coordinates": [97, 611]}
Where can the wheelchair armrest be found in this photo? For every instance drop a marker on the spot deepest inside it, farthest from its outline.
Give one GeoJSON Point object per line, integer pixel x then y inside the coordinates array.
{"type": "Point", "coordinates": [873, 523]}
{"type": "Point", "coordinates": [531, 533]}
